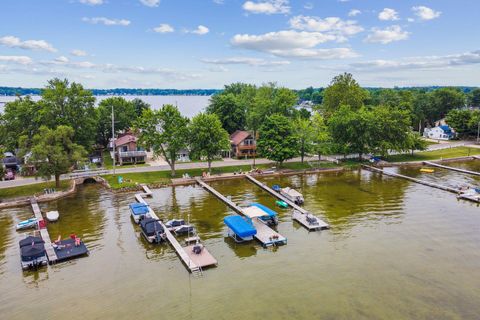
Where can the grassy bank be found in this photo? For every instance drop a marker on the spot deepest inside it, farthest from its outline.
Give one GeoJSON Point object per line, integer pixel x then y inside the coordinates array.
{"type": "Point", "coordinates": [33, 189]}
{"type": "Point", "coordinates": [164, 177]}
{"type": "Point", "coordinates": [435, 155]}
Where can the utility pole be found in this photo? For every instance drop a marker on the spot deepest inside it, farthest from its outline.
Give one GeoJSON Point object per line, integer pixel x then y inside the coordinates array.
{"type": "Point", "coordinates": [113, 139]}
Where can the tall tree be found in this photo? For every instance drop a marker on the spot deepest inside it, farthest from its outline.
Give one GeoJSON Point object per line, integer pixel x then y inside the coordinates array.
{"type": "Point", "coordinates": [277, 141]}
{"type": "Point", "coordinates": [442, 101]}
{"type": "Point", "coordinates": [165, 131]}
{"type": "Point", "coordinates": [343, 91]}
{"type": "Point", "coordinates": [53, 152]}
{"type": "Point", "coordinates": [474, 98]}
{"type": "Point", "coordinates": [207, 137]}
{"type": "Point", "coordinates": [140, 106]}
{"type": "Point", "coordinates": [322, 141]}
{"type": "Point", "coordinates": [71, 105]}
{"type": "Point", "coordinates": [305, 135]}
{"type": "Point", "coordinates": [124, 114]}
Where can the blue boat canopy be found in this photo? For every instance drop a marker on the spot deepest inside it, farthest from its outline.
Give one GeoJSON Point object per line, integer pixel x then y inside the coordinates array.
{"type": "Point", "coordinates": [241, 227]}
{"type": "Point", "coordinates": [267, 210]}
{"type": "Point", "coordinates": [138, 208]}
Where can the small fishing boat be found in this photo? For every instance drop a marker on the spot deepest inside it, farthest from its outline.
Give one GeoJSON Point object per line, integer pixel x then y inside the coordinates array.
{"type": "Point", "coordinates": [281, 204]}
{"type": "Point", "coordinates": [427, 170]}
{"type": "Point", "coordinates": [174, 223]}
{"type": "Point", "coordinates": [152, 230]}
{"type": "Point", "coordinates": [32, 253]}
{"type": "Point", "coordinates": [270, 217]}
{"type": "Point", "coordinates": [178, 226]}
{"type": "Point", "coordinates": [292, 195]}
{"type": "Point", "coordinates": [138, 211]}
{"type": "Point", "coordinates": [240, 229]}
{"type": "Point", "coordinates": [27, 224]}
{"type": "Point", "coordinates": [52, 216]}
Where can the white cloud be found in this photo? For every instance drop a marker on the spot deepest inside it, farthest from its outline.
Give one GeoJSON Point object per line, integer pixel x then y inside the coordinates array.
{"type": "Point", "coordinates": [201, 30]}
{"type": "Point", "coordinates": [92, 2]}
{"type": "Point", "coordinates": [426, 13]}
{"type": "Point", "coordinates": [333, 26]}
{"type": "Point", "coordinates": [387, 35]}
{"type": "Point", "coordinates": [62, 59]}
{"type": "Point", "coordinates": [219, 1]}
{"type": "Point", "coordinates": [267, 7]}
{"type": "Point", "coordinates": [247, 61]}
{"type": "Point", "coordinates": [354, 12]}
{"type": "Point", "coordinates": [410, 20]}
{"type": "Point", "coordinates": [388, 14]}
{"type": "Point", "coordinates": [78, 53]}
{"type": "Point", "coordinates": [292, 44]}
{"type": "Point", "coordinates": [150, 3]}
{"type": "Point", "coordinates": [164, 28]}
{"type": "Point", "coordinates": [308, 6]}
{"type": "Point", "coordinates": [107, 21]}
{"type": "Point", "coordinates": [14, 42]}
{"type": "Point", "coordinates": [16, 59]}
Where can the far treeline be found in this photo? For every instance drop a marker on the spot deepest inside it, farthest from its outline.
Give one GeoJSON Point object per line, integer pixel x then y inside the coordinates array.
{"type": "Point", "coordinates": [55, 133]}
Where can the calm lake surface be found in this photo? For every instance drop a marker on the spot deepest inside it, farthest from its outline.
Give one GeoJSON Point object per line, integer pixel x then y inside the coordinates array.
{"type": "Point", "coordinates": [395, 250]}
{"type": "Point", "coordinates": [188, 105]}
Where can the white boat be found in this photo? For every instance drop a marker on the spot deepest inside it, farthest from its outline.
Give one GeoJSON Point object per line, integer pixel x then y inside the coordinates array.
{"type": "Point", "coordinates": [52, 216]}
{"type": "Point", "coordinates": [27, 224]}
{"type": "Point", "coordinates": [292, 195]}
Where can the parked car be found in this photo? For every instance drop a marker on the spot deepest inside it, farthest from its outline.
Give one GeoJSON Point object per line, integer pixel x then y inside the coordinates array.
{"type": "Point", "coordinates": [9, 175]}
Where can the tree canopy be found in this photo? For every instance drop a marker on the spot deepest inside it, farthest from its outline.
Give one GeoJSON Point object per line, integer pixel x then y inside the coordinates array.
{"type": "Point", "coordinates": [343, 91]}
{"type": "Point", "coordinates": [278, 141]}
{"type": "Point", "coordinates": [124, 112]}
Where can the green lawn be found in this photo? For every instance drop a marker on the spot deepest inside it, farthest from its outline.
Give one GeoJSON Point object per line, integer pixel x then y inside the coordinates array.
{"type": "Point", "coordinates": [33, 189]}
{"type": "Point", "coordinates": [435, 155]}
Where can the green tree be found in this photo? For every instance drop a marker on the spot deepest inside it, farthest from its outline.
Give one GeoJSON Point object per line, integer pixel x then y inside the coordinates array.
{"type": "Point", "coordinates": [53, 152]}
{"type": "Point", "coordinates": [277, 141]}
{"type": "Point", "coordinates": [71, 105]}
{"type": "Point", "coordinates": [474, 98]}
{"type": "Point", "coordinates": [460, 121]}
{"type": "Point", "coordinates": [322, 141]}
{"type": "Point", "coordinates": [389, 130]}
{"type": "Point", "coordinates": [165, 131]}
{"type": "Point", "coordinates": [442, 101]}
{"type": "Point", "coordinates": [415, 142]}
{"type": "Point", "coordinates": [207, 137]}
{"type": "Point", "coordinates": [124, 112]}
{"type": "Point", "coordinates": [140, 106]}
{"type": "Point", "coordinates": [305, 135]}
{"type": "Point", "coordinates": [343, 91]}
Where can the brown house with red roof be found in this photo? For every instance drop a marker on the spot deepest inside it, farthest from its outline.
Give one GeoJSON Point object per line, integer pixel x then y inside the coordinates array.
{"type": "Point", "coordinates": [127, 151]}
{"type": "Point", "coordinates": [243, 144]}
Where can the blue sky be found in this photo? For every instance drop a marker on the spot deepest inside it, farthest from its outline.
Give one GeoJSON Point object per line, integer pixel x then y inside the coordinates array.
{"type": "Point", "coordinates": [209, 43]}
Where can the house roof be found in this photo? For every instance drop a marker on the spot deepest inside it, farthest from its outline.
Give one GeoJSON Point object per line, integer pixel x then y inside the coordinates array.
{"type": "Point", "coordinates": [446, 129]}
{"type": "Point", "coordinates": [125, 140]}
{"type": "Point", "coordinates": [238, 136]}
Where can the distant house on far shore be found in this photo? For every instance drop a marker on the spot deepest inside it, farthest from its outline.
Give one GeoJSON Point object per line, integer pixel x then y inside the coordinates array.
{"type": "Point", "coordinates": [127, 151]}
{"type": "Point", "coordinates": [442, 132]}
{"type": "Point", "coordinates": [243, 145]}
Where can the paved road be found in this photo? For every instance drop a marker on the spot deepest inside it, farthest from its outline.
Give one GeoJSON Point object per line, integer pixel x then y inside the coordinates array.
{"type": "Point", "coordinates": [203, 165]}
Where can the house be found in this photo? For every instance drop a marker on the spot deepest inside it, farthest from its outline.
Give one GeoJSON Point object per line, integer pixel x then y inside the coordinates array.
{"type": "Point", "coordinates": [183, 155]}
{"type": "Point", "coordinates": [242, 144]}
{"type": "Point", "coordinates": [442, 132]}
{"type": "Point", "coordinates": [127, 151]}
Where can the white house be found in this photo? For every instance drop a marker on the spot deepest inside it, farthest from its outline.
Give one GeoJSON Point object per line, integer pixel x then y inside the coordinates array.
{"type": "Point", "coordinates": [443, 132]}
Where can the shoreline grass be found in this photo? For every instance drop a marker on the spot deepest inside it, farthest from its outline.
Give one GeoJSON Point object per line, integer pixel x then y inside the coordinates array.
{"type": "Point", "coordinates": [32, 189]}
{"type": "Point", "coordinates": [455, 152]}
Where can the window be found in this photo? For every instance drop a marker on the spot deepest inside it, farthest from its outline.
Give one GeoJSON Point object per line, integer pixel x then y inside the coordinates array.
{"type": "Point", "coordinates": [124, 148]}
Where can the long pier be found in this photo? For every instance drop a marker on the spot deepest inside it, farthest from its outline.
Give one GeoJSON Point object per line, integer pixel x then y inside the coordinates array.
{"type": "Point", "coordinates": [301, 218]}
{"type": "Point", "coordinates": [433, 164]}
{"type": "Point", "coordinates": [193, 262]}
{"type": "Point", "coordinates": [265, 235]}
{"type": "Point", "coordinates": [426, 183]}
{"type": "Point", "coordinates": [51, 254]}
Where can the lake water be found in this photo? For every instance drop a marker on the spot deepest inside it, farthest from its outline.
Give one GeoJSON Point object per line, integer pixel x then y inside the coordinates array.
{"type": "Point", "coordinates": [395, 250]}
{"type": "Point", "coordinates": [188, 105]}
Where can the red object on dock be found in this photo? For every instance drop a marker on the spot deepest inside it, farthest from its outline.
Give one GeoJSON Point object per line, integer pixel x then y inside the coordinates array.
{"type": "Point", "coordinates": [42, 224]}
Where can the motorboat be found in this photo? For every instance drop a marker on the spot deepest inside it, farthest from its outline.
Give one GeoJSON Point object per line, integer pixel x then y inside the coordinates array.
{"type": "Point", "coordinates": [239, 228]}
{"type": "Point", "coordinates": [152, 230]}
{"type": "Point", "coordinates": [52, 216]}
{"type": "Point", "coordinates": [27, 224]}
{"type": "Point", "coordinates": [138, 211]}
{"type": "Point", "coordinates": [270, 217]}
{"type": "Point", "coordinates": [184, 229]}
{"type": "Point", "coordinates": [174, 223]}
{"type": "Point", "coordinates": [292, 195]}
{"type": "Point", "coordinates": [32, 253]}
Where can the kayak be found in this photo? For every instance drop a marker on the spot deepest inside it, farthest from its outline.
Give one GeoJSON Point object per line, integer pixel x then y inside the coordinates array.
{"type": "Point", "coordinates": [27, 224]}
{"type": "Point", "coordinates": [281, 204]}
{"type": "Point", "coordinates": [427, 170]}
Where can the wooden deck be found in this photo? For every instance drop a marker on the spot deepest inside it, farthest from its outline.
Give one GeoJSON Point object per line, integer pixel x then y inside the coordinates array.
{"type": "Point", "coordinates": [205, 258]}
{"type": "Point", "coordinates": [433, 164]}
{"type": "Point", "coordinates": [51, 255]}
{"type": "Point", "coordinates": [202, 260]}
{"type": "Point", "coordinates": [300, 216]}
{"type": "Point", "coordinates": [265, 234]}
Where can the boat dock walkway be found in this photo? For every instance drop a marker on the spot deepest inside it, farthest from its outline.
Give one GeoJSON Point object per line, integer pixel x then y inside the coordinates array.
{"type": "Point", "coordinates": [51, 254]}
{"type": "Point", "coordinates": [194, 262]}
{"type": "Point", "coordinates": [433, 164]}
{"type": "Point", "coordinates": [266, 235]}
{"type": "Point", "coordinates": [302, 213]}
{"type": "Point", "coordinates": [426, 183]}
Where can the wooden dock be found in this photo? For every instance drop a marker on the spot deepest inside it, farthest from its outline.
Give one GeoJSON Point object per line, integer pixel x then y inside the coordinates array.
{"type": "Point", "coordinates": [301, 214]}
{"type": "Point", "coordinates": [51, 255]}
{"type": "Point", "coordinates": [433, 164]}
{"type": "Point", "coordinates": [266, 235]}
{"type": "Point", "coordinates": [193, 262]}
